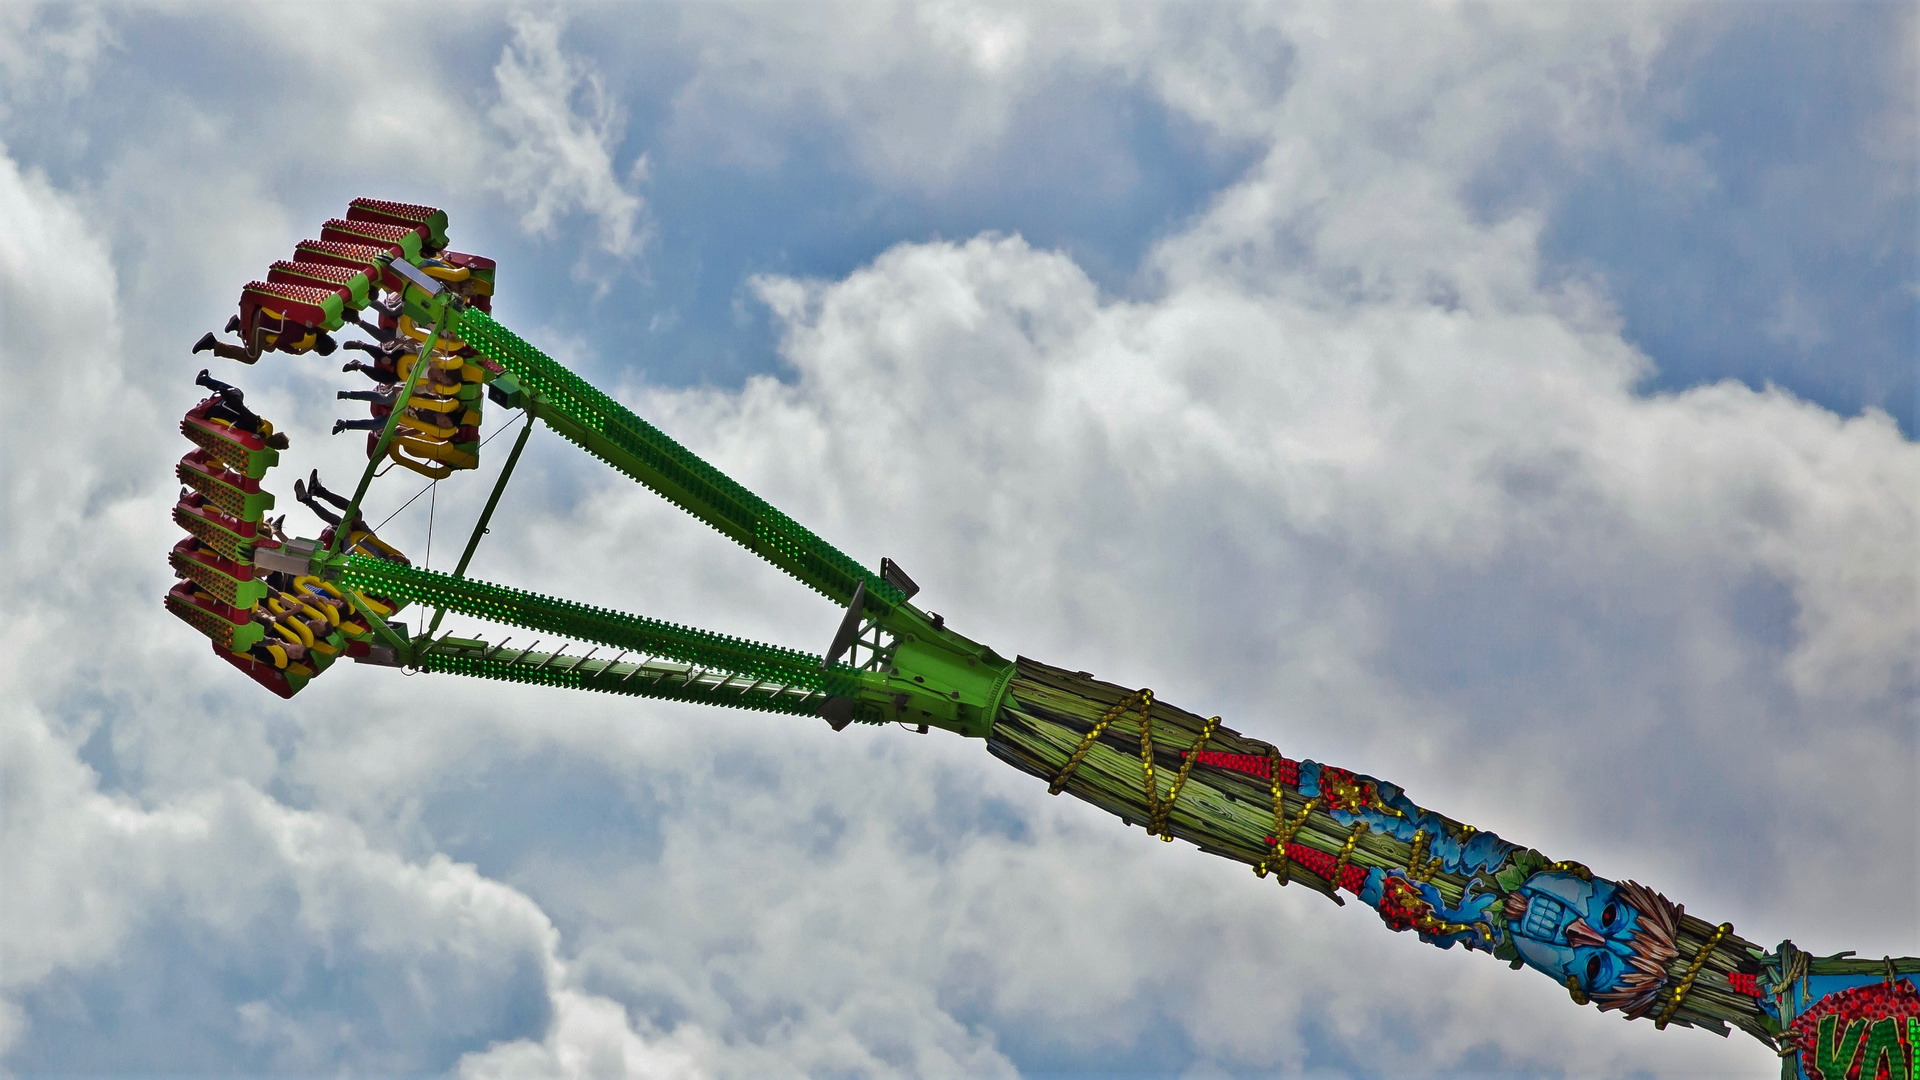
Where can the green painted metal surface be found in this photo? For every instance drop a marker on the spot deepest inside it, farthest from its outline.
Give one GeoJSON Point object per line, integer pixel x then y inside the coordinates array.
{"type": "Point", "coordinates": [378, 457]}
{"type": "Point", "coordinates": [660, 679]}
{"type": "Point", "coordinates": [584, 622]}
{"type": "Point", "coordinates": [936, 676]}
{"type": "Point", "coordinates": [610, 431]}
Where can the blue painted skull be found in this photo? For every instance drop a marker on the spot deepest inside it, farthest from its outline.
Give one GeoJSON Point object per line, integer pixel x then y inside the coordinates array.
{"type": "Point", "coordinates": [1573, 928]}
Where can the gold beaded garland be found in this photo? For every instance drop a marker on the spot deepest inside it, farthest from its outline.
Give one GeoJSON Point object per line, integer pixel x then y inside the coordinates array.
{"type": "Point", "coordinates": [1693, 972]}
{"type": "Point", "coordinates": [1144, 699]}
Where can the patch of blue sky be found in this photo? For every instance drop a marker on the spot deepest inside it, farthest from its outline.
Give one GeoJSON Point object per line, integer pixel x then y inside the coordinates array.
{"type": "Point", "coordinates": [1156, 1045]}
{"type": "Point", "coordinates": [1788, 255]}
{"type": "Point", "coordinates": [1783, 245]}
{"type": "Point", "coordinates": [167, 1001]}
{"type": "Point", "coordinates": [544, 822]}
{"type": "Point", "coordinates": [1097, 170]}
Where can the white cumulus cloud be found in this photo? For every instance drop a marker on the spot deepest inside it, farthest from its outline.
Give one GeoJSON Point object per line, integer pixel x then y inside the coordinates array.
{"type": "Point", "coordinates": [1349, 469]}
{"type": "Point", "coordinates": [562, 130]}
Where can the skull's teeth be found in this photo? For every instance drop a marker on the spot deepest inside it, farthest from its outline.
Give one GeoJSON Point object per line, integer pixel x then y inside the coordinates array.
{"type": "Point", "coordinates": [1543, 918]}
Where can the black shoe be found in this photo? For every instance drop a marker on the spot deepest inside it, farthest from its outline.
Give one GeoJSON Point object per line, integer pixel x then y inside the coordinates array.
{"type": "Point", "coordinates": [339, 426]}
{"type": "Point", "coordinates": [228, 393]}
{"type": "Point", "coordinates": [233, 324]}
{"type": "Point", "coordinates": [324, 344]}
{"type": "Point", "coordinates": [300, 492]}
{"type": "Point", "coordinates": [205, 343]}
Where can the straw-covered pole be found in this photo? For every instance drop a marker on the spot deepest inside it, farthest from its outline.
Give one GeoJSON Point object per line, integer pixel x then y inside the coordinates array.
{"type": "Point", "coordinates": [1190, 777]}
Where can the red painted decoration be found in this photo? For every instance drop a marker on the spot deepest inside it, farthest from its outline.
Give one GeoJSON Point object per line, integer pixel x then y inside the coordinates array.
{"type": "Point", "coordinates": [1403, 908]}
{"type": "Point", "coordinates": [1344, 790]}
{"type": "Point", "coordinates": [1252, 764]}
{"type": "Point", "coordinates": [1351, 877]}
{"type": "Point", "coordinates": [1858, 1033]}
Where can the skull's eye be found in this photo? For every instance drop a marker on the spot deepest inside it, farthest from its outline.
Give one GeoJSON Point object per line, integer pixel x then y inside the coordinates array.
{"type": "Point", "coordinates": [1608, 916]}
{"type": "Point", "coordinates": [1593, 969]}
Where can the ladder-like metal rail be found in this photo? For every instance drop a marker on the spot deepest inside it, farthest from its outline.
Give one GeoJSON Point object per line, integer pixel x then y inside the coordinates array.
{"type": "Point", "coordinates": [648, 677]}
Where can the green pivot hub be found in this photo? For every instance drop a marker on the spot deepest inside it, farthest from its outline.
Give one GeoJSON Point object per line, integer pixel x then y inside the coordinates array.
{"type": "Point", "coordinates": [935, 677]}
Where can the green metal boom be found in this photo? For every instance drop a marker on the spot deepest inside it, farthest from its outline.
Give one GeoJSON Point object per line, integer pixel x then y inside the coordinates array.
{"type": "Point", "coordinates": [917, 671]}
{"type": "Point", "coordinates": [663, 679]}
{"type": "Point", "coordinates": [600, 626]}
{"type": "Point", "coordinates": [1177, 774]}
{"type": "Point", "coordinates": [608, 430]}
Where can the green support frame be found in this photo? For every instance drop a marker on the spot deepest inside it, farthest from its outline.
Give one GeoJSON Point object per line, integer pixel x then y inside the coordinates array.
{"type": "Point", "coordinates": [1177, 774]}
{"type": "Point", "coordinates": [379, 454]}
{"type": "Point", "coordinates": [923, 673]}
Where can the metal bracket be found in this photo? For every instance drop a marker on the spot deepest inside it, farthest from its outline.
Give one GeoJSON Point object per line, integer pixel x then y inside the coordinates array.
{"type": "Point", "coordinates": [294, 557]}
{"type": "Point", "coordinates": [849, 631]}
{"type": "Point", "coordinates": [891, 573]}
{"type": "Point", "coordinates": [414, 274]}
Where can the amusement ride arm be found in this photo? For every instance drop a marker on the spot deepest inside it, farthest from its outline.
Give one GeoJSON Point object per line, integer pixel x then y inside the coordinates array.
{"type": "Point", "coordinates": [1614, 944]}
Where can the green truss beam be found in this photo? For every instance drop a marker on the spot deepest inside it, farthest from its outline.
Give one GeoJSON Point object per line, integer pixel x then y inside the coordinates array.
{"type": "Point", "coordinates": [659, 679]}
{"type": "Point", "coordinates": [610, 431]}
{"type": "Point", "coordinates": [932, 675]}
{"type": "Point", "coordinates": [601, 626]}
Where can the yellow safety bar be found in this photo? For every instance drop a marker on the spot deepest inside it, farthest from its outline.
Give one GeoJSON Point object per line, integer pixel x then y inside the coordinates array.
{"type": "Point", "coordinates": [433, 403]}
{"type": "Point", "coordinates": [434, 460]}
{"type": "Point", "coordinates": [430, 431]}
{"type": "Point", "coordinates": [294, 631]}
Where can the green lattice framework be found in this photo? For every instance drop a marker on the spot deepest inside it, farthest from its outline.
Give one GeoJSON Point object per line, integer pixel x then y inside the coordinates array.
{"type": "Point", "coordinates": [936, 677]}
{"type": "Point", "coordinates": [608, 430]}
{"type": "Point", "coordinates": [583, 622]}
{"type": "Point", "coordinates": [658, 679]}
{"type": "Point", "coordinates": [930, 674]}
{"type": "Point", "coordinates": [917, 670]}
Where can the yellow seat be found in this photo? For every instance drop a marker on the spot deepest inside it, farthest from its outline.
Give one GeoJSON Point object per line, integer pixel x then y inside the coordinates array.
{"type": "Point", "coordinates": [446, 344]}
{"type": "Point", "coordinates": [422, 451]}
{"type": "Point", "coordinates": [440, 271]}
{"type": "Point", "coordinates": [428, 468]}
{"type": "Point", "coordinates": [365, 542]}
{"type": "Point", "coordinates": [379, 609]}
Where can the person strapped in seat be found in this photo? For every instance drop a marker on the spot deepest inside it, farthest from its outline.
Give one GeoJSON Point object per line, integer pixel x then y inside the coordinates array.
{"type": "Point", "coordinates": [360, 537]}
{"type": "Point", "coordinates": [300, 623]}
{"type": "Point", "coordinates": [327, 597]}
{"type": "Point", "coordinates": [439, 430]}
{"type": "Point", "coordinates": [277, 317]}
{"type": "Point", "coordinates": [228, 406]}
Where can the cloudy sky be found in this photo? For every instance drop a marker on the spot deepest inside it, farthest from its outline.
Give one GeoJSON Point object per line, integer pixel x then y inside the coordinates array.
{"type": "Point", "coordinates": [1513, 402]}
